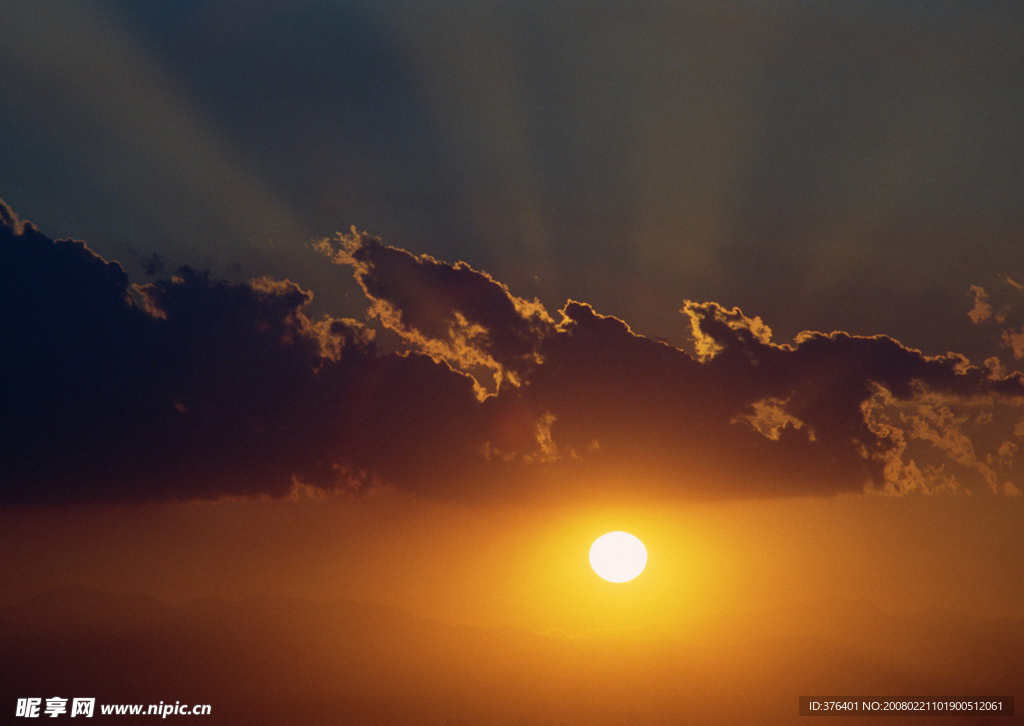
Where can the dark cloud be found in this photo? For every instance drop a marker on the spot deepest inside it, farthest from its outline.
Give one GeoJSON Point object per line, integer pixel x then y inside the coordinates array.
{"type": "Point", "coordinates": [453, 311]}
{"type": "Point", "coordinates": [736, 414]}
{"type": "Point", "coordinates": [193, 387]}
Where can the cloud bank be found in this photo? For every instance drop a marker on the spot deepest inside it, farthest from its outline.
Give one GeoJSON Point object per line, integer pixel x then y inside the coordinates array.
{"type": "Point", "coordinates": [453, 386]}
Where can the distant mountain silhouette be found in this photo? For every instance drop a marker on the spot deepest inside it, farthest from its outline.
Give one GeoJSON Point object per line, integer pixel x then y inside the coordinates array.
{"type": "Point", "coordinates": [276, 661]}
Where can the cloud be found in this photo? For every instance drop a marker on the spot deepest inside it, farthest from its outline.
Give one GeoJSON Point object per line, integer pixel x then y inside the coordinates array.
{"type": "Point", "coordinates": [753, 417]}
{"type": "Point", "coordinates": [1006, 317]}
{"type": "Point", "coordinates": [451, 311]}
{"type": "Point", "coordinates": [737, 414]}
{"type": "Point", "coordinates": [192, 387]}
{"type": "Point", "coordinates": [982, 309]}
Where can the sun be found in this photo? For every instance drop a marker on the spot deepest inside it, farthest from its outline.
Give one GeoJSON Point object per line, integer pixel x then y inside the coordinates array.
{"type": "Point", "coordinates": [618, 556]}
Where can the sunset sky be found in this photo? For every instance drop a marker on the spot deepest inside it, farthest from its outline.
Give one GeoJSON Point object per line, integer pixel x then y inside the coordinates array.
{"type": "Point", "coordinates": [344, 318]}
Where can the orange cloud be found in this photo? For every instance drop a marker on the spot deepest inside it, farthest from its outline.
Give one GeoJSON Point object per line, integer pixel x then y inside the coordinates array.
{"type": "Point", "coordinates": [1007, 316]}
